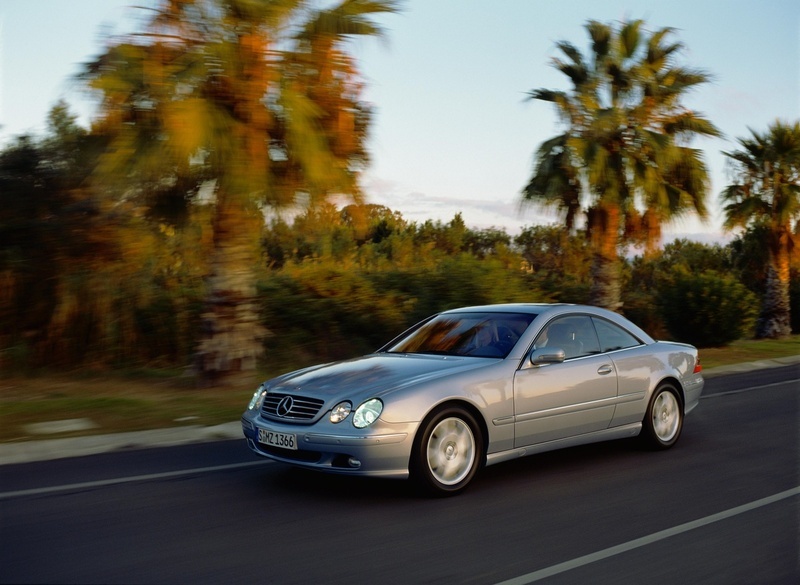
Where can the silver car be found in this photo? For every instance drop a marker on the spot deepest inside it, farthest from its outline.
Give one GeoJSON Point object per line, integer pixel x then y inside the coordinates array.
{"type": "Point", "coordinates": [477, 386]}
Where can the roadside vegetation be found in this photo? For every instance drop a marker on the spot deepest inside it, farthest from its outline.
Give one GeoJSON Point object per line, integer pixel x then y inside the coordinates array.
{"type": "Point", "coordinates": [192, 229]}
{"type": "Point", "coordinates": [135, 400]}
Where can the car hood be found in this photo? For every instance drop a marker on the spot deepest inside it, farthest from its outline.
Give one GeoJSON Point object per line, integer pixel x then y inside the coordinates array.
{"type": "Point", "coordinates": [372, 374]}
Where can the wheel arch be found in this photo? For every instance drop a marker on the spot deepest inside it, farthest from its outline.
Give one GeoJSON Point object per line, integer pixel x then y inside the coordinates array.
{"type": "Point", "coordinates": [675, 383]}
{"type": "Point", "coordinates": [471, 409]}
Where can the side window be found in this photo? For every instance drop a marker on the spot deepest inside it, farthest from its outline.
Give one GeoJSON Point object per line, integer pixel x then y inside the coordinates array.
{"type": "Point", "coordinates": [575, 335]}
{"type": "Point", "coordinates": [613, 337]}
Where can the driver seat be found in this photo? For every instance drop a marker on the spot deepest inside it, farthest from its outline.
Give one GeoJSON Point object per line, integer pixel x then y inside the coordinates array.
{"type": "Point", "coordinates": [562, 336]}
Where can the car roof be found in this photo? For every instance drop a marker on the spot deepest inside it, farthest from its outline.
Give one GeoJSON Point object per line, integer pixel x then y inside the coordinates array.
{"type": "Point", "coordinates": [532, 308]}
{"type": "Point", "coordinates": [555, 309]}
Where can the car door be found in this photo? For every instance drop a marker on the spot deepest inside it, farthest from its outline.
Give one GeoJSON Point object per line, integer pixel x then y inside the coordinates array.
{"type": "Point", "coordinates": [634, 364]}
{"type": "Point", "coordinates": [560, 400]}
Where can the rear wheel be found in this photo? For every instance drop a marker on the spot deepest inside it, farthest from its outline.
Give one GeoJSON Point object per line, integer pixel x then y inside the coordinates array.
{"type": "Point", "coordinates": [448, 452]}
{"type": "Point", "coordinates": [663, 420]}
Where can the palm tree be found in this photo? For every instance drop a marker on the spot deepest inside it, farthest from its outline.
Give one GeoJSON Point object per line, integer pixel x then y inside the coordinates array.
{"type": "Point", "coordinates": [623, 160]}
{"type": "Point", "coordinates": [260, 97]}
{"type": "Point", "coordinates": [766, 194]}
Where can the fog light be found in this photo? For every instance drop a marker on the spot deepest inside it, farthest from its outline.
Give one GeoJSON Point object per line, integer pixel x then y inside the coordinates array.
{"type": "Point", "coordinates": [353, 462]}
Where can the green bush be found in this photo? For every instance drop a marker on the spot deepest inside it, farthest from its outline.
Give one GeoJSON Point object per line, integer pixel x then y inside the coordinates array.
{"type": "Point", "coordinates": [465, 280]}
{"type": "Point", "coordinates": [708, 309]}
{"type": "Point", "coordinates": [644, 277]}
{"type": "Point", "coordinates": [640, 306]}
{"type": "Point", "coordinates": [322, 310]}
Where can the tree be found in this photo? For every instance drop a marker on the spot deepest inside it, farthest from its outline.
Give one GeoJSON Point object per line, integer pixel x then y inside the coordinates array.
{"type": "Point", "coordinates": [623, 160]}
{"type": "Point", "coordinates": [558, 262]}
{"type": "Point", "coordinates": [29, 239]}
{"type": "Point", "coordinates": [372, 222]}
{"type": "Point", "coordinates": [487, 242]}
{"type": "Point", "coordinates": [765, 195]}
{"type": "Point", "coordinates": [260, 97]}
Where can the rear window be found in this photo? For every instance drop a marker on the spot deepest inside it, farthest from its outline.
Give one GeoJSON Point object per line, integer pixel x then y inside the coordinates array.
{"type": "Point", "coordinates": [613, 337]}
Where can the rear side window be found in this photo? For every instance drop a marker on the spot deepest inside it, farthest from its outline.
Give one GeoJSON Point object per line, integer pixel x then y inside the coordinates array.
{"type": "Point", "coordinates": [613, 337]}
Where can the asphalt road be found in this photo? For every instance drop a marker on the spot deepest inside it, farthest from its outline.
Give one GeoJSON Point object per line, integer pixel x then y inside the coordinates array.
{"type": "Point", "coordinates": [723, 506]}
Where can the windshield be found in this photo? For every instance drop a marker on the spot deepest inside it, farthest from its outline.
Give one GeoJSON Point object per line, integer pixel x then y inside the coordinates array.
{"type": "Point", "coordinates": [466, 334]}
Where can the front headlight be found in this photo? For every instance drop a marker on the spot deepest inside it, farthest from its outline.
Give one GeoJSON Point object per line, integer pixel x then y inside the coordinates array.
{"type": "Point", "coordinates": [367, 413]}
{"type": "Point", "coordinates": [340, 411]}
{"type": "Point", "coordinates": [258, 398]}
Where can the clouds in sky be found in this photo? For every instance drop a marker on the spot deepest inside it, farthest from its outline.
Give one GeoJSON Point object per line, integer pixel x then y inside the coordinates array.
{"type": "Point", "coordinates": [452, 129]}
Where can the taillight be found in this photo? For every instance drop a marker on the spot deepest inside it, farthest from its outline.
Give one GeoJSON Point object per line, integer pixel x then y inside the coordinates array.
{"type": "Point", "coordinates": [697, 367]}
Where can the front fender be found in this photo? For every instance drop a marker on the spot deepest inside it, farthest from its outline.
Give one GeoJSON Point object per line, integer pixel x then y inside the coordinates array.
{"type": "Point", "coordinates": [488, 390]}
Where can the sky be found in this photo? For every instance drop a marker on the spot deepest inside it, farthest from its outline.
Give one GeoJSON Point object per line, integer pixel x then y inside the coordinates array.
{"type": "Point", "coordinates": [453, 131]}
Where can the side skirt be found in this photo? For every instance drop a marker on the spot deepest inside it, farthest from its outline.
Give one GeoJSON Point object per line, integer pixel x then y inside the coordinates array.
{"type": "Point", "coordinates": [622, 432]}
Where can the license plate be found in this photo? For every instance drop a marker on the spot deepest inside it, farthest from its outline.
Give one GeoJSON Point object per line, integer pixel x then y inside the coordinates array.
{"type": "Point", "coordinates": [275, 439]}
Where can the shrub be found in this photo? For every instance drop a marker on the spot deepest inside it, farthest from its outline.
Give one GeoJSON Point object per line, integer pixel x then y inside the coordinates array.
{"type": "Point", "coordinates": [708, 309]}
{"type": "Point", "coordinates": [323, 310]}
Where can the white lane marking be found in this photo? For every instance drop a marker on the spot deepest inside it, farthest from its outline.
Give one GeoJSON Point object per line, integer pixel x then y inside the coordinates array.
{"type": "Point", "coordinates": [130, 479]}
{"type": "Point", "coordinates": [649, 539]}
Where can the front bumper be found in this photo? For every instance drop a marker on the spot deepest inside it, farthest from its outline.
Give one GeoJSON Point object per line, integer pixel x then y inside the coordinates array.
{"type": "Point", "coordinates": [382, 450]}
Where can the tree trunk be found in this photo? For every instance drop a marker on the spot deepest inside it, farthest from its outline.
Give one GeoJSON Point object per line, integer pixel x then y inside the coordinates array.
{"type": "Point", "coordinates": [606, 290]}
{"type": "Point", "coordinates": [652, 230]}
{"type": "Point", "coordinates": [231, 336]}
{"type": "Point", "coordinates": [774, 322]}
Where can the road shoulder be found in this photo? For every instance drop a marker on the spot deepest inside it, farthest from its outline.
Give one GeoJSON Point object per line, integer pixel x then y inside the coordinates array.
{"type": "Point", "coordinates": [44, 450]}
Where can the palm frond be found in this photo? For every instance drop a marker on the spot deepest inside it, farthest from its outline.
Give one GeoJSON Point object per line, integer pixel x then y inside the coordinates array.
{"type": "Point", "coordinates": [601, 36]}
{"type": "Point", "coordinates": [690, 123]}
{"type": "Point", "coordinates": [349, 18]}
{"type": "Point", "coordinates": [629, 38]}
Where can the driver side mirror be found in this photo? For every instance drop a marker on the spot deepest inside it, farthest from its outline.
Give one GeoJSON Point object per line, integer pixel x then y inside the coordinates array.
{"type": "Point", "coordinates": [546, 356]}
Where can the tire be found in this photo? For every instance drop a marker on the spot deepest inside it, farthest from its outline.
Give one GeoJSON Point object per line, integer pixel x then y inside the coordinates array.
{"type": "Point", "coordinates": [663, 421]}
{"type": "Point", "coordinates": [448, 452]}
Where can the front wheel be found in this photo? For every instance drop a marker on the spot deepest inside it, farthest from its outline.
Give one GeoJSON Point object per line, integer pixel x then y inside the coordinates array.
{"type": "Point", "coordinates": [663, 420]}
{"type": "Point", "coordinates": [447, 453]}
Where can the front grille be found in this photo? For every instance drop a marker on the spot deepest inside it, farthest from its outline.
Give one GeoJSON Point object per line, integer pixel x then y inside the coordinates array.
{"type": "Point", "coordinates": [295, 408]}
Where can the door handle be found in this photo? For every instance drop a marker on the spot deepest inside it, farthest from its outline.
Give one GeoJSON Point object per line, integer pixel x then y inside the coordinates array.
{"type": "Point", "coordinates": [604, 369]}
